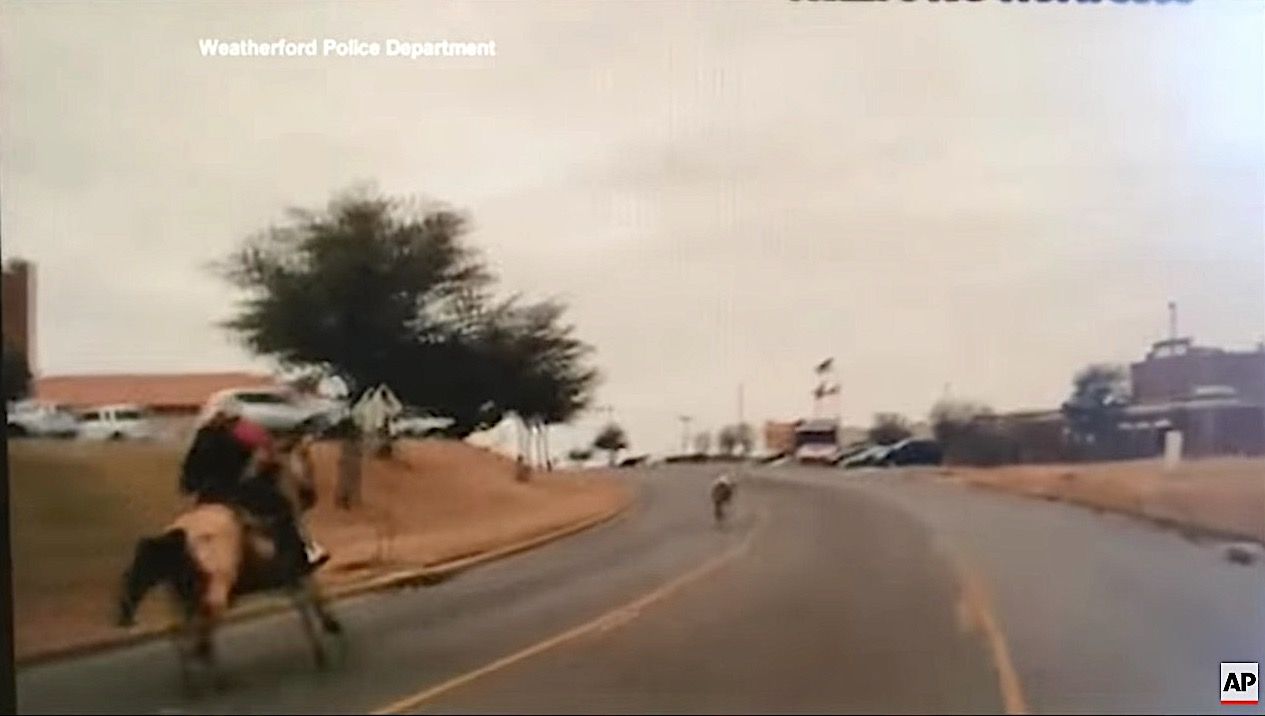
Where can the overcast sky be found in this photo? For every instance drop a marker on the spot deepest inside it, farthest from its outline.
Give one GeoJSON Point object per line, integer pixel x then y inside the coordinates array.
{"type": "Point", "coordinates": [986, 195]}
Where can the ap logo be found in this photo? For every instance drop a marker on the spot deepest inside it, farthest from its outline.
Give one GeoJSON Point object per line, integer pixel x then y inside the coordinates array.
{"type": "Point", "coordinates": [1239, 682]}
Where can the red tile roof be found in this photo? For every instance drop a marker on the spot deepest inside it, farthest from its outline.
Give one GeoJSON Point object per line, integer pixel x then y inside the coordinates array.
{"type": "Point", "coordinates": [172, 391]}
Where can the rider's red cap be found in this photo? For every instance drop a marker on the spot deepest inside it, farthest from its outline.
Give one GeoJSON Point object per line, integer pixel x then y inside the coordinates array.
{"type": "Point", "coordinates": [251, 434]}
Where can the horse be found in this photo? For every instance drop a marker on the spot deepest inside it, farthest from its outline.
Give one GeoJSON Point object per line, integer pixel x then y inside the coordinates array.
{"type": "Point", "coordinates": [212, 554]}
{"type": "Point", "coordinates": [722, 494]}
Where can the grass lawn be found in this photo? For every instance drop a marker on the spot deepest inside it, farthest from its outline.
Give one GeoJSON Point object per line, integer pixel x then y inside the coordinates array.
{"type": "Point", "coordinates": [74, 520]}
{"type": "Point", "coordinates": [1224, 495]}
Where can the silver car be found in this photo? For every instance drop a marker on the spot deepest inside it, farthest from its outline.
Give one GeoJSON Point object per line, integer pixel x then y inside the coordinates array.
{"type": "Point", "coordinates": [278, 409]}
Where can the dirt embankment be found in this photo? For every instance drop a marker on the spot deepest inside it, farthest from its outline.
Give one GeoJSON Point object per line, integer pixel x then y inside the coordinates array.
{"type": "Point", "coordinates": [77, 510]}
{"type": "Point", "coordinates": [1224, 496]}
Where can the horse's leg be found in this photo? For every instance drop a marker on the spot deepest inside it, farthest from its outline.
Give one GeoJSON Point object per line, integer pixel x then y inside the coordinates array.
{"type": "Point", "coordinates": [201, 633]}
{"type": "Point", "coordinates": [204, 647]}
{"type": "Point", "coordinates": [183, 637]}
{"type": "Point", "coordinates": [304, 605]}
{"type": "Point", "coordinates": [321, 608]}
{"type": "Point", "coordinates": [180, 639]}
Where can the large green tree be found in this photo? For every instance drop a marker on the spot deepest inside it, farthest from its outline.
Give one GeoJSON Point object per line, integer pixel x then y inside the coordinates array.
{"type": "Point", "coordinates": [611, 439]}
{"type": "Point", "coordinates": [1100, 394]}
{"type": "Point", "coordinates": [889, 429]}
{"type": "Point", "coordinates": [383, 290]}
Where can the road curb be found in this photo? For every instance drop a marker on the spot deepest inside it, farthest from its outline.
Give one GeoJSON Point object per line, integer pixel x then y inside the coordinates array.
{"type": "Point", "coordinates": [421, 576]}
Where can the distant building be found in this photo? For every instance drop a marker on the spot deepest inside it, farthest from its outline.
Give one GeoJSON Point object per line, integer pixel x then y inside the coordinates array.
{"type": "Point", "coordinates": [1176, 369]}
{"type": "Point", "coordinates": [779, 437]}
{"type": "Point", "coordinates": [1209, 426]}
{"type": "Point", "coordinates": [173, 398]}
{"type": "Point", "coordinates": [1030, 436]}
{"type": "Point", "coordinates": [18, 295]}
{"type": "Point", "coordinates": [1216, 398]}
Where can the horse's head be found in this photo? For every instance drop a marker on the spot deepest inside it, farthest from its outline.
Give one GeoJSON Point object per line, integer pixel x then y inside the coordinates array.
{"type": "Point", "coordinates": [164, 558]}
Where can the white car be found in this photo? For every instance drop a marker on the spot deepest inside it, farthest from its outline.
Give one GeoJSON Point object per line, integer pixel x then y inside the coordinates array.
{"type": "Point", "coordinates": [116, 422]}
{"type": "Point", "coordinates": [278, 409]}
{"type": "Point", "coordinates": [817, 453]}
{"type": "Point", "coordinates": [32, 418]}
{"type": "Point", "coordinates": [417, 424]}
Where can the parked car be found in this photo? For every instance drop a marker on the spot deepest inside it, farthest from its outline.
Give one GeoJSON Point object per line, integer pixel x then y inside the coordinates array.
{"type": "Point", "coordinates": [33, 418]}
{"type": "Point", "coordinates": [914, 452]}
{"type": "Point", "coordinates": [116, 422]}
{"type": "Point", "coordinates": [910, 451]}
{"type": "Point", "coordinates": [279, 409]}
{"type": "Point", "coordinates": [850, 451]}
{"type": "Point", "coordinates": [871, 456]}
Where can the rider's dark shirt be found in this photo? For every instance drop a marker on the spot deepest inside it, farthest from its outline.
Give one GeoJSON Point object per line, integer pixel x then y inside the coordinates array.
{"type": "Point", "coordinates": [214, 465]}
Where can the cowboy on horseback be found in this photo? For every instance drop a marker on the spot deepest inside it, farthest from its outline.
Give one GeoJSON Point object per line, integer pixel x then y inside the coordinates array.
{"type": "Point", "coordinates": [212, 553]}
{"type": "Point", "coordinates": [235, 462]}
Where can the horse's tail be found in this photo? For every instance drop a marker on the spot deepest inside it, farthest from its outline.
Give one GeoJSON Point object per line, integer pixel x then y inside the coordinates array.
{"type": "Point", "coordinates": [164, 558]}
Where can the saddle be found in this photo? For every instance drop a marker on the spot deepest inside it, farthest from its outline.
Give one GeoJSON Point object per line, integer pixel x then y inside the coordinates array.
{"type": "Point", "coordinates": [257, 538]}
{"type": "Point", "coordinates": [262, 569]}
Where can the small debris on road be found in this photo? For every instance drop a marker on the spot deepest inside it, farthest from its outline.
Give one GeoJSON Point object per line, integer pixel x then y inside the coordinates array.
{"type": "Point", "coordinates": [1244, 554]}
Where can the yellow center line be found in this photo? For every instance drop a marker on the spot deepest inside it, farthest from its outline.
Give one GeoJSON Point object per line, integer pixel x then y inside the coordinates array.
{"type": "Point", "coordinates": [978, 607]}
{"type": "Point", "coordinates": [610, 620]}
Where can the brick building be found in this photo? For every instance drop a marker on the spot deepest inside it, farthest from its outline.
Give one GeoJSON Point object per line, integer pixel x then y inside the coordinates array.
{"type": "Point", "coordinates": [173, 399]}
{"type": "Point", "coordinates": [1215, 397]}
{"type": "Point", "coordinates": [1177, 369]}
{"type": "Point", "coordinates": [18, 309]}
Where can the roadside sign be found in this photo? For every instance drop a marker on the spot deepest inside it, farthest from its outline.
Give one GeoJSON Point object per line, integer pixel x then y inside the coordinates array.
{"type": "Point", "coordinates": [377, 406]}
{"type": "Point", "coordinates": [1172, 449]}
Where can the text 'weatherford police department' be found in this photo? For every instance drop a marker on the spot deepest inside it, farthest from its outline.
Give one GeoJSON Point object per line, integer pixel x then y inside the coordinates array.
{"type": "Point", "coordinates": [329, 47]}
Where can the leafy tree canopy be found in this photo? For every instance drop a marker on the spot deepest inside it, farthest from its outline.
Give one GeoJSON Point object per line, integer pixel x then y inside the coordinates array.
{"type": "Point", "coordinates": [384, 290]}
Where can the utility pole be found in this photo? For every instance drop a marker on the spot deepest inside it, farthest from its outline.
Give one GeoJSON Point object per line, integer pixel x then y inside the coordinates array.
{"type": "Point", "coordinates": [742, 418]}
{"type": "Point", "coordinates": [685, 433]}
{"type": "Point", "coordinates": [1172, 320]}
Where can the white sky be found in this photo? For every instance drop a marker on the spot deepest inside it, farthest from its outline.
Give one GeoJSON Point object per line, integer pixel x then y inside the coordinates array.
{"type": "Point", "coordinates": [981, 194]}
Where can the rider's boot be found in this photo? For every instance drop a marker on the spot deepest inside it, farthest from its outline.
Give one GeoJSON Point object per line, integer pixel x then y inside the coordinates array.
{"type": "Point", "coordinates": [316, 554]}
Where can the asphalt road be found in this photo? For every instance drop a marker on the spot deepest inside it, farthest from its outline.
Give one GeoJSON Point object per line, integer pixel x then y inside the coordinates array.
{"type": "Point", "coordinates": [827, 592]}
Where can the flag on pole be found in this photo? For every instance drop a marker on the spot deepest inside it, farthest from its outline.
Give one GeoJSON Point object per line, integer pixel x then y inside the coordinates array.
{"type": "Point", "coordinates": [825, 365]}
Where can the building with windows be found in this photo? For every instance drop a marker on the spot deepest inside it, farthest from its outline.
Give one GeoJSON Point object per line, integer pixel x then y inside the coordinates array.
{"type": "Point", "coordinates": [1215, 397]}
{"type": "Point", "coordinates": [1177, 369]}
